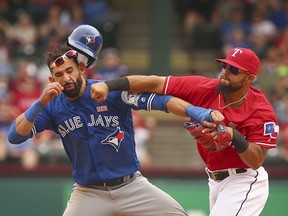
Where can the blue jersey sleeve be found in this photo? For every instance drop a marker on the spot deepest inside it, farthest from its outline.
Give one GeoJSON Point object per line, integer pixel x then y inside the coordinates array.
{"type": "Point", "coordinates": [145, 101]}
{"type": "Point", "coordinates": [43, 121]}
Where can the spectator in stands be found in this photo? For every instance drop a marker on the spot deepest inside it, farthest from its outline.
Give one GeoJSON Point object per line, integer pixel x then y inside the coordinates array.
{"type": "Point", "coordinates": [105, 18]}
{"type": "Point", "coordinates": [143, 135]}
{"type": "Point", "coordinates": [201, 34]}
{"type": "Point", "coordinates": [236, 20]}
{"type": "Point", "coordinates": [54, 29]}
{"type": "Point", "coordinates": [282, 44]}
{"type": "Point", "coordinates": [238, 39]}
{"type": "Point", "coordinates": [24, 88]}
{"type": "Point", "coordinates": [263, 33]}
{"type": "Point", "coordinates": [38, 9]}
{"type": "Point", "coordinates": [279, 14]}
{"type": "Point", "coordinates": [112, 66]}
{"type": "Point", "coordinates": [191, 19]}
{"type": "Point", "coordinates": [24, 154]}
{"type": "Point", "coordinates": [77, 16]}
{"type": "Point", "coordinates": [23, 34]}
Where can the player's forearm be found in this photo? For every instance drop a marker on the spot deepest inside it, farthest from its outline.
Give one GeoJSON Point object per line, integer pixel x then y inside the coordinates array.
{"type": "Point", "coordinates": [182, 108]}
{"type": "Point", "coordinates": [137, 84]}
{"type": "Point", "coordinates": [254, 156]}
{"type": "Point", "coordinates": [250, 153]}
{"type": "Point", "coordinates": [151, 84]}
{"type": "Point", "coordinates": [177, 107]}
{"type": "Point", "coordinates": [20, 129]}
{"type": "Point", "coordinates": [22, 125]}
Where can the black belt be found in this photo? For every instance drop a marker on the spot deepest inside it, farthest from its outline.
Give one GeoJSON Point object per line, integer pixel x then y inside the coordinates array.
{"type": "Point", "coordinates": [115, 182]}
{"type": "Point", "coordinates": [221, 175]}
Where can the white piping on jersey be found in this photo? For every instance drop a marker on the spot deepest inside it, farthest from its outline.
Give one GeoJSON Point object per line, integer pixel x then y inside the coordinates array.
{"type": "Point", "coordinates": [33, 130]}
{"type": "Point", "coordinates": [265, 144]}
{"type": "Point", "coordinates": [166, 87]}
{"type": "Point", "coordinates": [149, 102]}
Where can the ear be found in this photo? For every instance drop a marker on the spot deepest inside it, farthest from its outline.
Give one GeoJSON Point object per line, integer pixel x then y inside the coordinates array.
{"type": "Point", "coordinates": [51, 79]}
{"type": "Point", "coordinates": [82, 67]}
{"type": "Point", "coordinates": [251, 78]}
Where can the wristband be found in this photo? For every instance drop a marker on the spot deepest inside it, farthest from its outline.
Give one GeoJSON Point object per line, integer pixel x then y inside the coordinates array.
{"type": "Point", "coordinates": [121, 84]}
{"type": "Point", "coordinates": [32, 113]}
{"type": "Point", "coordinates": [239, 142]}
{"type": "Point", "coordinates": [198, 114]}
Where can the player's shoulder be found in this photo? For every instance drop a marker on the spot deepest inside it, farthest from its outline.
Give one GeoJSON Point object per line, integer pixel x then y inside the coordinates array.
{"type": "Point", "coordinates": [92, 81]}
{"type": "Point", "coordinates": [259, 99]}
{"type": "Point", "coordinates": [259, 104]}
{"type": "Point", "coordinates": [193, 81]}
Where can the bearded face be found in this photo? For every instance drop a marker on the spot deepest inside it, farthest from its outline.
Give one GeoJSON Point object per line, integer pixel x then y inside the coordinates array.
{"type": "Point", "coordinates": [229, 86]}
{"type": "Point", "coordinates": [72, 89]}
{"type": "Point", "coordinates": [227, 89]}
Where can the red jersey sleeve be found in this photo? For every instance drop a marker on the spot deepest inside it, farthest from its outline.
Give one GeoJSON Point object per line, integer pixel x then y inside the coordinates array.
{"type": "Point", "coordinates": [196, 90]}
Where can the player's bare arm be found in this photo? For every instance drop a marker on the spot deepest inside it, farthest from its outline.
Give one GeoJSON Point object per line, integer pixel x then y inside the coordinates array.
{"type": "Point", "coordinates": [254, 156]}
{"type": "Point", "coordinates": [250, 153]}
{"type": "Point", "coordinates": [135, 84]}
{"type": "Point", "coordinates": [179, 107]}
{"type": "Point", "coordinates": [99, 92]}
{"type": "Point", "coordinates": [151, 84]}
{"type": "Point", "coordinates": [24, 123]}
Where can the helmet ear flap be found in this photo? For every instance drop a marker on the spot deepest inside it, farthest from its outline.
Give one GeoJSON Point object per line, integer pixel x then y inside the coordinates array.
{"type": "Point", "coordinates": [90, 62]}
{"type": "Point", "coordinates": [86, 40]}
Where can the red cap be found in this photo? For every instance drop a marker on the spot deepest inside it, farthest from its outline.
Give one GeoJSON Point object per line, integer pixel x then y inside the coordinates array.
{"type": "Point", "coordinates": [244, 59]}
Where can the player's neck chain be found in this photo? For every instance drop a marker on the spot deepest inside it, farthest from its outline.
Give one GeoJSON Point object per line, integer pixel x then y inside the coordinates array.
{"type": "Point", "coordinates": [229, 104]}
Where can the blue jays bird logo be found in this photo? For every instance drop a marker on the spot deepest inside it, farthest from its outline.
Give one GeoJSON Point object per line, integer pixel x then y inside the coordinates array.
{"type": "Point", "coordinates": [114, 139]}
{"type": "Point", "coordinates": [89, 39]}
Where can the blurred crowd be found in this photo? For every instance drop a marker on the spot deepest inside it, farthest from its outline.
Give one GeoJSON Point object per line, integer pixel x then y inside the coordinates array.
{"type": "Point", "coordinates": [29, 27]}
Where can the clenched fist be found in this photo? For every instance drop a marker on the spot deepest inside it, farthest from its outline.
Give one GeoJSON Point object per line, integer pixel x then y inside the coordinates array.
{"type": "Point", "coordinates": [50, 91]}
{"type": "Point", "coordinates": [99, 91]}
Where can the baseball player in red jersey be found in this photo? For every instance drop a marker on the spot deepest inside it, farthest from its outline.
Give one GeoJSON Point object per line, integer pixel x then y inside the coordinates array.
{"type": "Point", "coordinates": [237, 181]}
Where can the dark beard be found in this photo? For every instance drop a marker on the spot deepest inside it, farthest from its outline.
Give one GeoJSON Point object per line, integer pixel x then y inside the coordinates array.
{"type": "Point", "coordinates": [225, 90]}
{"type": "Point", "coordinates": [75, 92]}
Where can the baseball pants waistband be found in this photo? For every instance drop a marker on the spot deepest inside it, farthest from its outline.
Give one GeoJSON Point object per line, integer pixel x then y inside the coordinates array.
{"type": "Point", "coordinates": [220, 175]}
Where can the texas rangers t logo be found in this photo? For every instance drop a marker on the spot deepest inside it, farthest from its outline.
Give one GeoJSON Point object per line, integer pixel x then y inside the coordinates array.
{"type": "Point", "coordinates": [236, 51]}
{"type": "Point", "coordinates": [114, 139]}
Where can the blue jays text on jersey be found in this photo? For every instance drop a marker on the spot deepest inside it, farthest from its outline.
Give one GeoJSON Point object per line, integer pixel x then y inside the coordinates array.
{"type": "Point", "coordinates": [98, 137]}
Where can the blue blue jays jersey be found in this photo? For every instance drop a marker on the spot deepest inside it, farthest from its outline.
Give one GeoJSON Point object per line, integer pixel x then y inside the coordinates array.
{"type": "Point", "coordinates": [97, 137]}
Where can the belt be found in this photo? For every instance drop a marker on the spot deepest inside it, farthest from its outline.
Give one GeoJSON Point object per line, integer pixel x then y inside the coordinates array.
{"type": "Point", "coordinates": [115, 182]}
{"type": "Point", "coordinates": [221, 175]}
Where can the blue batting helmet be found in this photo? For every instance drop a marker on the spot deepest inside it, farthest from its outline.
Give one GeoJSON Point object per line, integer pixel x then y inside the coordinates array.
{"type": "Point", "coordinates": [86, 40]}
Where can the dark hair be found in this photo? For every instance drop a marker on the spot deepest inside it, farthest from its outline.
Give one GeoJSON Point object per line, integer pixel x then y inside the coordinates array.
{"type": "Point", "coordinates": [55, 52]}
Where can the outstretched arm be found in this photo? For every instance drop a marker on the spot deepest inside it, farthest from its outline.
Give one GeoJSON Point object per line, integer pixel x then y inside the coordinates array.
{"type": "Point", "coordinates": [151, 84]}
{"type": "Point", "coordinates": [21, 127]}
{"type": "Point", "coordinates": [135, 84]}
{"type": "Point", "coordinates": [182, 108]}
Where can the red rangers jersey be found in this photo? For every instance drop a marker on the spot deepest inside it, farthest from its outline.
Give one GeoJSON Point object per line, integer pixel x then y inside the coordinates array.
{"type": "Point", "coordinates": [255, 119]}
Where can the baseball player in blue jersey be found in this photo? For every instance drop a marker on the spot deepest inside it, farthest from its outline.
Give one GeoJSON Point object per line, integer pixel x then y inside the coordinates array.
{"type": "Point", "coordinates": [99, 139]}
